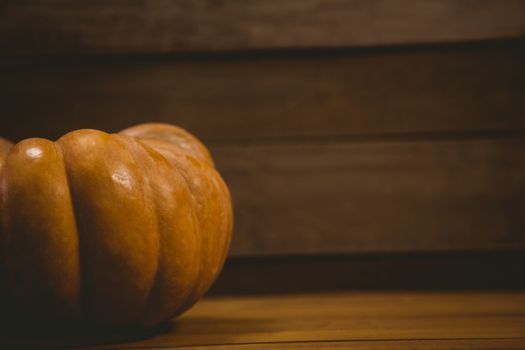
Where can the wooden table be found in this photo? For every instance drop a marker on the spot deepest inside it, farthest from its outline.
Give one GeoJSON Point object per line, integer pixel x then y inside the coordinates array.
{"type": "Point", "coordinates": [349, 320]}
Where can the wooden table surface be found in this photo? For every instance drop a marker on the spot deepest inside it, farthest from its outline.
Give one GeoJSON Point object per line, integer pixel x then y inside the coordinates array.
{"type": "Point", "coordinates": [372, 320]}
{"type": "Point", "coordinates": [350, 320]}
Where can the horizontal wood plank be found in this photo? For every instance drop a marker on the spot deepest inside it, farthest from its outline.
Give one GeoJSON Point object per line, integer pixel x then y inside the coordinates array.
{"type": "Point", "coordinates": [376, 196]}
{"type": "Point", "coordinates": [124, 26]}
{"type": "Point", "coordinates": [410, 317]}
{"type": "Point", "coordinates": [435, 89]}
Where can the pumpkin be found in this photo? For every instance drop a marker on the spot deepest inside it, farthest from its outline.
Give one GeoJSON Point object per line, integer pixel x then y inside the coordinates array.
{"type": "Point", "coordinates": [113, 230]}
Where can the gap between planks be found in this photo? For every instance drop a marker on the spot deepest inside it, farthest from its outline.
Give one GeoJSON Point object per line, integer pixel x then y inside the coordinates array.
{"type": "Point", "coordinates": [426, 344]}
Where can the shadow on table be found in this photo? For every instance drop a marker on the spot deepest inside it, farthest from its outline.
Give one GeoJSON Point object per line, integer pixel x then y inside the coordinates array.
{"type": "Point", "coordinates": [189, 330]}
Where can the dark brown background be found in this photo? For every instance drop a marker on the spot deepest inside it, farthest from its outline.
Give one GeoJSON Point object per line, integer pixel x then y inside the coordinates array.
{"type": "Point", "coordinates": [391, 132]}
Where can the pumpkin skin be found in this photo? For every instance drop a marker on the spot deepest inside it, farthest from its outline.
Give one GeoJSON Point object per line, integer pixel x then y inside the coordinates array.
{"type": "Point", "coordinates": [112, 230]}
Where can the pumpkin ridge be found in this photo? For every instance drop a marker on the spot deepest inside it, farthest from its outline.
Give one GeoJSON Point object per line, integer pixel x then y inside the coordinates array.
{"type": "Point", "coordinates": [42, 261]}
{"type": "Point", "coordinates": [188, 159]}
{"type": "Point", "coordinates": [80, 233]}
{"type": "Point", "coordinates": [224, 188]}
{"type": "Point", "coordinates": [120, 249]}
{"type": "Point", "coordinates": [200, 175]}
{"type": "Point", "coordinates": [194, 293]}
{"type": "Point", "coordinates": [126, 139]}
{"type": "Point", "coordinates": [214, 178]}
{"type": "Point", "coordinates": [150, 152]}
{"type": "Point", "coordinates": [180, 160]}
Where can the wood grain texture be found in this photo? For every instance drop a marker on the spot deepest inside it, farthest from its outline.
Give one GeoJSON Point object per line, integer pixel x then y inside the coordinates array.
{"type": "Point", "coordinates": [410, 318]}
{"type": "Point", "coordinates": [348, 316]}
{"type": "Point", "coordinates": [244, 97]}
{"type": "Point", "coordinates": [123, 26]}
{"type": "Point", "coordinates": [376, 196]}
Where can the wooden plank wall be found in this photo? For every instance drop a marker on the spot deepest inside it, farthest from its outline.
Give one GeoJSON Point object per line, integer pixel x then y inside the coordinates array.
{"type": "Point", "coordinates": [345, 140]}
{"type": "Point", "coordinates": [142, 26]}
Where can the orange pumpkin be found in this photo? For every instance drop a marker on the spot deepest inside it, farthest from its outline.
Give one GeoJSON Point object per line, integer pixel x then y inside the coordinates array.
{"type": "Point", "coordinates": [117, 230]}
